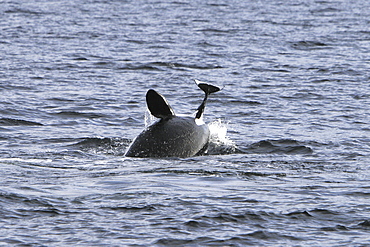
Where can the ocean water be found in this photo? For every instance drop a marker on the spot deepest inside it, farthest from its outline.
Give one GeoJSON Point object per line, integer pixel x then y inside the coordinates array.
{"type": "Point", "coordinates": [288, 164]}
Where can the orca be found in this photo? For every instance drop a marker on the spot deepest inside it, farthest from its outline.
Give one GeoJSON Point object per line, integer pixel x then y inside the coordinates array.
{"type": "Point", "coordinates": [172, 135]}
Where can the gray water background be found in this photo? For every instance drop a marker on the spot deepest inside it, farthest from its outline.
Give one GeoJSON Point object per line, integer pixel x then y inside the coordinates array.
{"type": "Point", "coordinates": [295, 101]}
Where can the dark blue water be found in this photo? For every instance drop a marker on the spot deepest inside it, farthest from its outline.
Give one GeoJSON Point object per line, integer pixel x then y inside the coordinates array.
{"type": "Point", "coordinates": [292, 170]}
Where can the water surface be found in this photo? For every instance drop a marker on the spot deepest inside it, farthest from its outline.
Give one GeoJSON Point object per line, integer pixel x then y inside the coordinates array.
{"type": "Point", "coordinates": [292, 171]}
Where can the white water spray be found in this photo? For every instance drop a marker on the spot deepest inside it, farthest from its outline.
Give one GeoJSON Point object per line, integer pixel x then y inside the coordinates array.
{"type": "Point", "coordinates": [219, 143]}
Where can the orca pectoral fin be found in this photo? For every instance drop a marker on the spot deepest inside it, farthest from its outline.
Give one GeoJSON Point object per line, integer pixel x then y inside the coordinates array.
{"type": "Point", "coordinates": [207, 88]}
{"type": "Point", "coordinates": [158, 105]}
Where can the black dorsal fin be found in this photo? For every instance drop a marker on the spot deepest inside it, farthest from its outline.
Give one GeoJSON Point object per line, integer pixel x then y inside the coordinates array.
{"type": "Point", "coordinates": [158, 105]}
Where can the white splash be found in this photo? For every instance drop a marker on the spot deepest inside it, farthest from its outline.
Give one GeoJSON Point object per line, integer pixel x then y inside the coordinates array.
{"type": "Point", "coordinates": [219, 143]}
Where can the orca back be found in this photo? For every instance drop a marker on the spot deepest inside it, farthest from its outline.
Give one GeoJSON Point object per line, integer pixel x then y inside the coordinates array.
{"type": "Point", "coordinates": [174, 137]}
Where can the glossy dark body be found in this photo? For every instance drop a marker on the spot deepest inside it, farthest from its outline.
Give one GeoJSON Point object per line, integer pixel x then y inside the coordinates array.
{"type": "Point", "coordinates": [172, 137]}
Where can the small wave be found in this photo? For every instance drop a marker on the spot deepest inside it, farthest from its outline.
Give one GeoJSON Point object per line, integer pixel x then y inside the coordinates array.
{"type": "Point", "coordinates": [240, 218]}
{"type": "Point", "coordinates": [309, 45]}
{"type": "Point", "coordinates": [244, 102]}
{"type": "Point", "coordinates": [74, 114]}
{"type": "Point", "coordinates": [286, 146]}
{"type": "Point", "coordinates": [325, 11]}
{"type": "Point", "coordinates": [334, 228]}
{"type": "Point", "coordinates": [319, 212]}
{"type": "Point", "coordinates": [23, 11]}
{"type": "Point", "coordinates": [267, 235]}
{"type": "Point", "coordinates": [26, 205]}
{"type": "Point", "coordinates": [115, 146]}
{"type": "Point", "coordinates": [365, 224]}
{"type": "Point", "coordinates": [218, 31]}
{"type": "Point", "coordinates": [141, 66]}
{"type": "Point", "coordinates": [18, 122]}
{"type": "Point", "coordinates": [161, 66]}
{"type": "Point", "coordinates": [219, 174]}
{"type": "Point", "coordinates": [131, 208]}
{"type": "Point", "coordinates": [34, 213]}
{"type": "Point", "coordinates": [195, 66]}
{"type": "Point", "coordinates": [299, 214]}
{"type": "Point", "coordinates": [173, 242]}
{"type": "Point", "coordinates": [26, 160]}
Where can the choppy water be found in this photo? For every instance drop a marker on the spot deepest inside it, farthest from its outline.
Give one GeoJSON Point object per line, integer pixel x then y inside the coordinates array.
{"type": "Point", "coordinates": [295, 103]}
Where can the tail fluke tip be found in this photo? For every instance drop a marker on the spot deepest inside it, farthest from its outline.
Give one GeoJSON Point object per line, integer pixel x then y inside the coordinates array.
{"type": "Point", "coordinates": [207, 88]}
